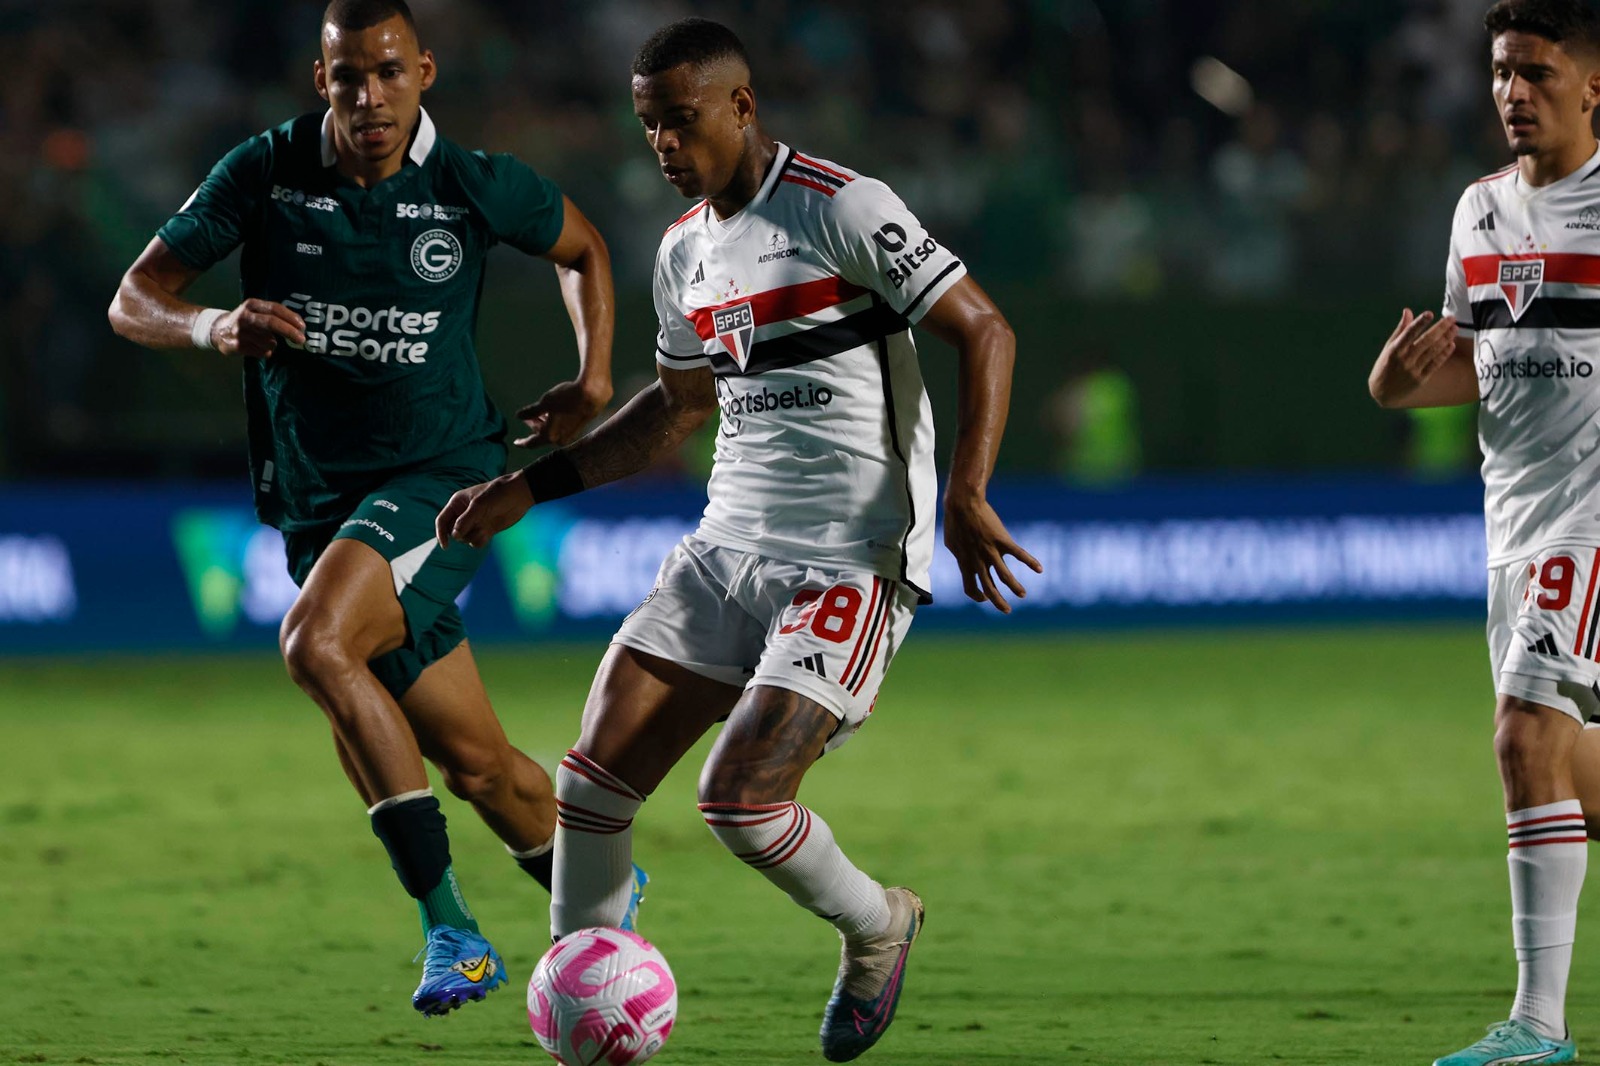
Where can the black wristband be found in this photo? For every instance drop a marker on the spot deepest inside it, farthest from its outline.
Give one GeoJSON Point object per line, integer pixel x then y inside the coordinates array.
{"type": "Point", "coordinates": [552, 476]}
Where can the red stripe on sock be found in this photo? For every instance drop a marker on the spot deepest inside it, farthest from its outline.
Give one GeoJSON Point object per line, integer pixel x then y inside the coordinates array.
{"type": "Point", "coordinates": [798, 843]}
{"type": "Point", "coordinates": [762, 857]}
{"type": "Point", "coordinates": [1552, 840]}
{"type": "Point", "coordinates": [1540, 821]}
{"type": "Point", "coordinates": [592, 770]}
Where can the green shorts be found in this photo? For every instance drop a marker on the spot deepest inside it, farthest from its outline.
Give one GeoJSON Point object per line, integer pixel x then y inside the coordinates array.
{"type": "Point", "coordinates": [397, 522]}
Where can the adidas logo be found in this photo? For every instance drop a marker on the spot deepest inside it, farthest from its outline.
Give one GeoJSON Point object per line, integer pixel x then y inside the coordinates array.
{"type": "Point", "coordinates": [1545, 645]}
{"type": "Point", "coordinates": [812, 663]}
{"type": "Point", "coordinates": [1485, 224]}
{"type": "Point", "coordinates": [700, 273]}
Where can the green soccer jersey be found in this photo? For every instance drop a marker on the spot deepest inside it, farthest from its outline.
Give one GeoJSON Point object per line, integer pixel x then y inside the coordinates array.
{"type": "Point", "coordinates": [387, 280]}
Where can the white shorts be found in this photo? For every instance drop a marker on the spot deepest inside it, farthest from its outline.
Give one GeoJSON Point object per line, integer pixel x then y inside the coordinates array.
{"type": "Point", "coordinates": [1544, 630]}
{"type": "Point", "coordinates": [744, 619]}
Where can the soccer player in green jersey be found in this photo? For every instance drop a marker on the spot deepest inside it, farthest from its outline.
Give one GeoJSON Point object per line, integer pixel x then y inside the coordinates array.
{"type": "Point", "coordinates": [364, 235]}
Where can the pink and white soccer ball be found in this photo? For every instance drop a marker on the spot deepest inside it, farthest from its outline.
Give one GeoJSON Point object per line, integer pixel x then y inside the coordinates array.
{"type": "Point", "coordinates": [602, 997]}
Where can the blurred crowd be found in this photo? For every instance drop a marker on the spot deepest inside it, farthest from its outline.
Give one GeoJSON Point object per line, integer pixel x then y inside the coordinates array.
{"type": "Point", "coordinates": [1099, 149]}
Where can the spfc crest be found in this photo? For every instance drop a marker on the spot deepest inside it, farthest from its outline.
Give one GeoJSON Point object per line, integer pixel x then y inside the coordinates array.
{"type": "Point", "coordinates": [735, 327]}
{"type": "Point", "coordinates": [1520, 282]}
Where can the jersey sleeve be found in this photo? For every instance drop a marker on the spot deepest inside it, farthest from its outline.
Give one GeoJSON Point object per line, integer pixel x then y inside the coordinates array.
{"type": "Point", "coordinates": [1457, 300]}
{"type": "Point", "coordinates": [678, 346]}
{"type": "Point", "coordinates": [523, 208]}
{"type": "Point", "coordinates": [211, 223]}
{"type": "Point", "coordinates": [877, 243]}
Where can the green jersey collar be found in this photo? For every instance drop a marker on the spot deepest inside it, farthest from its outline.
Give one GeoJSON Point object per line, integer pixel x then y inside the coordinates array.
{"type": "Point", "coordinates": [421, 144]}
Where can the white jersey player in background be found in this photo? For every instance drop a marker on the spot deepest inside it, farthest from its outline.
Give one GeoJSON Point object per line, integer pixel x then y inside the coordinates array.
{"type": "Point", "coordinates": [786, 297]}
{"type": "Point", "coordinates": [1521, 335]}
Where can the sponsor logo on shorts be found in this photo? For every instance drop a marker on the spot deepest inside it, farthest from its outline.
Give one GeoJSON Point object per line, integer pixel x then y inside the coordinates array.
{"type": "Point", "coordinates": [308, 249]}
{"type": "Point", "coordinates": [1545, 645]}
{"type": "Point", "coordinates": [814, 664]}
{"type": "Point", "coordinates": [436, 255]}
{"type": "Point", "coordinates": [367, 523]}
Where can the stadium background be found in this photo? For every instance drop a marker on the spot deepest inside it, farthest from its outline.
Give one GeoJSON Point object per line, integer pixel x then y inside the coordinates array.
{"type": "Point", "coordinates": [1202, 218]}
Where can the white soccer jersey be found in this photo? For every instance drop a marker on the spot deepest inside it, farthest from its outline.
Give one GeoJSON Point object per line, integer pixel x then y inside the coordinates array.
{"type": "Point", "coordinates": [1524, 285]}
{"type": "Point", "coordinates": [802, 305]}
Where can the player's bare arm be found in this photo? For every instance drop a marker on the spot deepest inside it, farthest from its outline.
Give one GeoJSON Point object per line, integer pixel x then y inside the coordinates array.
{"type": "Point", "coordinates": [650, 427]}
{"type": "Point", "coordinates": [149, 310]}
{"type": "Point", "coordinates": [583, 267]}
{"type": "Point", "coordinates": [967, 319]}
{"type": "Point", "coordinates": [1425, 363]}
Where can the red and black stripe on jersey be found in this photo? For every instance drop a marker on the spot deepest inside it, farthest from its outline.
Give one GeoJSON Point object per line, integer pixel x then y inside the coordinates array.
{"type": "Point", "coordinates": [789, 302]}
{"type": "Point", "coordinates": [1543, 312]}
{"type": "Point", "coordinates": [802, 170]}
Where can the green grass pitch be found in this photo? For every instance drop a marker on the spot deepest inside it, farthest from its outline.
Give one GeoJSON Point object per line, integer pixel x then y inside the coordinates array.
{"type": "Point", "coordinates": [1204, 847]}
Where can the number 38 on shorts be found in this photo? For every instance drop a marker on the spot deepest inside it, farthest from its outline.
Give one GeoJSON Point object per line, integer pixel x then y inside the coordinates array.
{"type": "Point", "coordinates": [1544, 625]}
{"type": "Point", "coordinates": [844, 634]}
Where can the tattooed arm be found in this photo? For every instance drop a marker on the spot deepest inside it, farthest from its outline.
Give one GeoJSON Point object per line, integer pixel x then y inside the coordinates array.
{"type": "Point", "coordinates": [649, 427]}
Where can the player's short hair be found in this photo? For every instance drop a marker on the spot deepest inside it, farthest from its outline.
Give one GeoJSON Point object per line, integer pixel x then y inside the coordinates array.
{"type": "Point", "coordinates": [1570, 23]}
{"type": "Point", "coordinates": [692, 40]}
{"type": "Point", "coordinates": [365, 14]}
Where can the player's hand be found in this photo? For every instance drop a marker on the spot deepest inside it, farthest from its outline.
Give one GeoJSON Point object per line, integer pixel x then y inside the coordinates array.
{"type": "Point", "coordinates": [979, 541]}
{"type": "Point", "coordinates": [476, 514]}
{"type": "Point", "coordinates": [558, 415]}
{"type": "Point", "coordinates": [1417, 347]}
{"type": "Point", "coordinates": [254, 328]}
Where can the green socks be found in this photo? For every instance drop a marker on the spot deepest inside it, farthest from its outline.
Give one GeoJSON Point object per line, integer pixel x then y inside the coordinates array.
{"type": "Point", "coordinates": [412, 829]}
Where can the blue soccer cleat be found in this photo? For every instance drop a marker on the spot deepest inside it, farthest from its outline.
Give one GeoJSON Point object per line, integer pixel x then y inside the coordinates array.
{"type": "Point", "coordinates": [461, 966]}
{"type": "Point", "coordinates": [630, 917]}
{"type": "Point", "coordinates": [1513, 1042]}
{"type": "Point", "coordinates": [871, 975]}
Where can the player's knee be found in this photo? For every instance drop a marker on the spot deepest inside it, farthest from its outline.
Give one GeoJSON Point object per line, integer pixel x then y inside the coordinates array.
{"type": "Point", "coordinates": [732, 782]}
{"type": "Point", "coordinates": [313, 657]}
{"type": "Point", "coordinates": [1524, 742]}
{"type": "Point", "coordinates": [478, 779]}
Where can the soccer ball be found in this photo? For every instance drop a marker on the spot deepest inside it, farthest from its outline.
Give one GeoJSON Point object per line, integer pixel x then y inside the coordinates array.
{"type": "Point", "coordinates": [602, 997]}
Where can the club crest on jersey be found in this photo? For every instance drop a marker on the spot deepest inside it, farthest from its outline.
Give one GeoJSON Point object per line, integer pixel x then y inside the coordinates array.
{"type": "Point", "coordinates": [1520, 282]}
{"type": "Point", "coordinates": [735, 327]}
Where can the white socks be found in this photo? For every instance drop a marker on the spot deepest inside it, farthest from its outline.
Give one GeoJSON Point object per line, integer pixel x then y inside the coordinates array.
{"type": "Point", "coordinates": [1549, 854]}
{"type": "Point", "coordinates": [795, 850]}
{"type": "Point", "coordinates": [593, 877]}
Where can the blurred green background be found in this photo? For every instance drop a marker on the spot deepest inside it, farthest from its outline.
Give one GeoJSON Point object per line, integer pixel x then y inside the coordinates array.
{"type": "Point", "coordinates": [1202, 216]}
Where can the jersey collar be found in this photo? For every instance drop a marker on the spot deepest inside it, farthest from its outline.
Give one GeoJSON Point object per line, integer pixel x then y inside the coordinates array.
{"type": "Point", "coordinates": [1577, 177]}
{"type": "Point", "coordinates": [421, 144]}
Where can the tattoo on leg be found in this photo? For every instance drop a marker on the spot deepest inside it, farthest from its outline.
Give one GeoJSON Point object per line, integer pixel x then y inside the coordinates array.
{"type": "Point", "coordinates": [766, 748]}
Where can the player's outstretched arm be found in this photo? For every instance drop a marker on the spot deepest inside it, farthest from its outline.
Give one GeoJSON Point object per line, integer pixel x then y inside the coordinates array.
{"type": "Point", "coordinates": [584, 268]}
{"type": "Point", "coordinates": [149, 310]}
{"type": "Point", "coordinates": [651, 426]}
{"type": "Point", "coordinates": [1424, 363]}
{"type": "Point", "coordinates": [966, 318]}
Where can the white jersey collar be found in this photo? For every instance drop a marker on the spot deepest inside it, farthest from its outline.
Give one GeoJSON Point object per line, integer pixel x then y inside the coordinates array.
{"type": "Point", "coordinates": [1585, 170]}
{"type": "Point", "coordinates": [421, 144]}
{"type": "Point", "coordinates": [725, 229]}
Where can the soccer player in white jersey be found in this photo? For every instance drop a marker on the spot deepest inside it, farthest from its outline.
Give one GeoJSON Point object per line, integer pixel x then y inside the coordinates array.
{"type": "Point", "coordinates": [1520, 334]}
{"type": "Point", "coordinates": [785, 296]}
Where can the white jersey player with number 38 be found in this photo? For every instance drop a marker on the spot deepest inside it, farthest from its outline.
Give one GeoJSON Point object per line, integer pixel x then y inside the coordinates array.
{"type": "Point", "coordinates": [785, 298]}
{"type": "Point", "coordinates": [1521, 336]}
